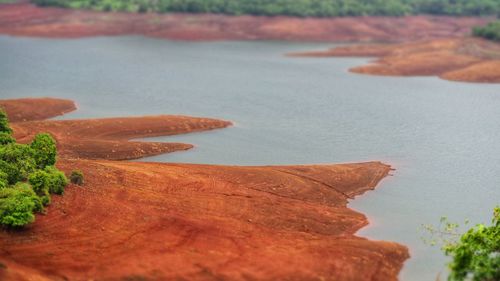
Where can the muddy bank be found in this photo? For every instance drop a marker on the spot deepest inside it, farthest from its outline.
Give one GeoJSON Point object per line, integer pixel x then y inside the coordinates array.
{"type": "Point", "coordinates": [25, 19]}
{"type": "Point", "coordinates": [463, 59]}
{"type": "Point", "coordinates": [196, 222]}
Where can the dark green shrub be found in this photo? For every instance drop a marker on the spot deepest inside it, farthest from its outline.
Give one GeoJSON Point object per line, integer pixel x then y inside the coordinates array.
{"type": "Point", "coordinates": [6, 138]}
{"type": "Point", "coordinates": [17, 205]}
{"type": "Point", "coordinates": [19, 159]}
{"type": "Point", "coordinates": [77, 177]}
{"type": "Point", "coordinates": [44, 150]}
{"type": "Point", "coordinates": [4, 122]}
{"type": "Point", "coordinates": [57, 180]}
{"type": "Point", "coordinates": [39, 181]}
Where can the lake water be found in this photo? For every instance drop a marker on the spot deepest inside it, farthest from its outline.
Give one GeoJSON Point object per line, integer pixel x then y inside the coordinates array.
{"type": "Point", "coordinates": [442, 137]}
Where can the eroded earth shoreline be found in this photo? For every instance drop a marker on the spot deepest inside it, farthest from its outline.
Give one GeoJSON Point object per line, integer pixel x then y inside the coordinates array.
{"type": "Point", "coordinates": [458, 59]}
{"type": "Point", "coordinates": [152, 221]}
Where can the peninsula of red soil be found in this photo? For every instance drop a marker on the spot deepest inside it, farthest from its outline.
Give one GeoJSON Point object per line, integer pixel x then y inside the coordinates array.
{"type": "Point", "coordinates": [36, 109]}
{"type": "Point", "coordinates": [465, 59]}
{"type": "Point", "coordinates": [149, 221]}
{"type": "Point", "coordinates": [24, 19]}
{"type": "Point", "coordinates": [109, 138]}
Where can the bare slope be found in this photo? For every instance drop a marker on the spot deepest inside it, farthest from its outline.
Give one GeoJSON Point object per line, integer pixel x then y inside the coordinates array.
{"type": "Point", "coordinates": [147, 221]}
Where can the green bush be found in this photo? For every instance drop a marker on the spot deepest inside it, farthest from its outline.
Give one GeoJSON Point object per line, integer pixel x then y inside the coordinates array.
{"type": "Point", "coordinates": [17, 206]}
{"type": "Point", "coordinates": [4, 122]}
{"type": "Point", "coordinates": [26, 186]}
{"type": "Point", "coordinates": [21, 162]}
{"type": "Point", "coordinates": [44, 150]}
{"type": "Point", "coordinates": [10, 170]}
{"type": "Point", "coordinates": [4, 179]}
{"type": "Point", "coordinates": [476, 256]}
{"type": "Point", "coordinates": [57, 180]}
{"type": "Point", "coordinates": [77, 177]}
{"type": "Point", "coordinates": [39, 181]}
{"type": "Point", "coordinates": [6, 138]}
{"type": "Point", "coordinates": [17, 161]}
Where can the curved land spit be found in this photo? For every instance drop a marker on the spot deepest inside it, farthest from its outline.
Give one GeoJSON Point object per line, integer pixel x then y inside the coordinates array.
{"type": "Point", "coordinates": [465, 59]}
{"type": "Point", "coordinates": [36, 109]}
{"type": "Point", "coordinates": [109, 138]}
{"type": "Point", "coordinates": [149, 221]}
{"type": "Point", "coordinates": [29, 20]}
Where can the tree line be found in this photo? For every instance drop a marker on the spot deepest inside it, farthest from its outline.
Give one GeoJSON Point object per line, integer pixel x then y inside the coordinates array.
{"type": "Point", "coordinates": [299, 8]}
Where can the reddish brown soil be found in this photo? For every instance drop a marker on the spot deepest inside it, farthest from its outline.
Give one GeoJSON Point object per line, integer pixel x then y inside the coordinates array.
{"type": "Point", "coordinates": [147, 221]}
{"type": "Point", "coordinates": [109, 138]}
{"type": "Point", "coordinates": [28, 20]}
{"type": "Point", "coordinates": [101, 138]}
{"type": "Point", "coordinates": [487, 71]}
{"type": "Point", "coordinates": [466, 59]}
{"type": "Point", "coordinates": [36, 109]}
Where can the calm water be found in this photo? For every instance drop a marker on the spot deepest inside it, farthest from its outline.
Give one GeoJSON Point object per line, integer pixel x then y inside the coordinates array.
{"type": "Point", "coordinates": [442, 137]}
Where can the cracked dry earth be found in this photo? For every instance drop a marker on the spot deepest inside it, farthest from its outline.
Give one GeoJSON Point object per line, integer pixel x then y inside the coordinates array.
{"type": "Point", "coordinates": [153, 221]}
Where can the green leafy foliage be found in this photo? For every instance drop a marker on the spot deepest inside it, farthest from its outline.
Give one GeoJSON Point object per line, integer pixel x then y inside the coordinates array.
{"type": "Point", "coordinates": [491, 31]}
{"type": "Point", "coordinates": [39, 181]}
{"type": "Point", "coordinates": [21, 162]}
{"type": "Point", "coordinates": [77, 177]}
{"type": "Point", "coordinates": [6, 138]}
{"type": "Point", "coordinates": [17, 160]}
{"type": "Point", "coordinates": [38, 202]}
{"type": "Point", "coordinates": [56, 181]}
{"type": "Point", "coordinates": [300, 8]}
{"type": "Point", "coordinates": [4, 179]}
{"type": "Point", "coordinates": [10, 170]}
{"type": "Point", "coordinates": [17, 205]}
{"type": "Point", "coordinates": [4, 122]}
{"type": "Point", "coordinates": [475, 254]}
{"type": "Point", "coordinates": [44, 150]}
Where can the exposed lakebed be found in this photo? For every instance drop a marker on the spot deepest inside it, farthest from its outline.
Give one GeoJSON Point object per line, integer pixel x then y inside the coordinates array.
{"type": "Point", "coordinates": [442, 137]}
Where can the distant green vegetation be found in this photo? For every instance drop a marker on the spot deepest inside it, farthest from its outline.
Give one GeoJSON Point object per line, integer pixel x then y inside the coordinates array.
{"type": "Point", "coordinates": [299, 8]}
{"type": "Point", "coordinates": [27, 176]}
{"type": "Point", "coordinates": [490, 31]}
